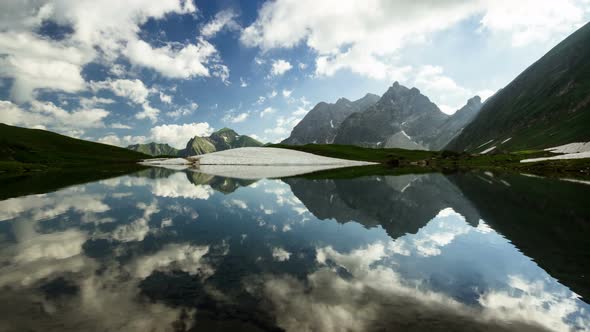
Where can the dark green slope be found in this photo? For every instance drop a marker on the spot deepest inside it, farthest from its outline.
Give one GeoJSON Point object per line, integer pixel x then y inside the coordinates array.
{"type": "Point", "coordinates": [23, 149]}
{"type": "Point", "coordinates": [547, 105]}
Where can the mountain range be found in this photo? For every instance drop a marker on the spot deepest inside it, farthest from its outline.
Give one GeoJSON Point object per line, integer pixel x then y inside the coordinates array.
{"type": "Point", "coordinates": [545, 106]}
{"type": "Point", "coordinates": [401, 118]}
{"type": "Point", "coordinates": [223, 139]}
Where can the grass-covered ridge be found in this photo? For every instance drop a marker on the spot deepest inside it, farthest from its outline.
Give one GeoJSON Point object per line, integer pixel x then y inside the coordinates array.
{"type": "Point", "coordinates": [353, 152]}
{"type": "Point", "coordinates": [419, 161]}
{"type": "Point", "coordinates": [23, 150]}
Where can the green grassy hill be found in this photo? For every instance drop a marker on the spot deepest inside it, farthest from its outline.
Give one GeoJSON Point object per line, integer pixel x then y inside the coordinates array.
{"type": "Point", "coordinates": [24, 149]}
{"type": "Point", "coordinates": [354, 152]}
{"type": "Point", "coordinates": [547, 105]}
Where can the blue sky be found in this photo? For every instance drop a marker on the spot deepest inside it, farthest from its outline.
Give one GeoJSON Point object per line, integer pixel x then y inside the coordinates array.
{"type": "Point", "coordinates": [123, 72]}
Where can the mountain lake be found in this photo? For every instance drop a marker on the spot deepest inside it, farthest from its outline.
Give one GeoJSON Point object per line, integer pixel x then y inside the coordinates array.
{"type": "Point", "coordinates": [180, 250]}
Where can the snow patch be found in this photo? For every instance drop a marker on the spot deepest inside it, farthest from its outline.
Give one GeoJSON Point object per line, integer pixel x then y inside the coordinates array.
{"type": "Point", "coordinates": [506, 140]}
{"type": "Point", "coordinates": [405, 134]}
{"type": "Point", "coordinates": [571, 148]}
{"type": "Point", "coordinates": [580, 155]}
{"type": "Point", "coordinates": [488, 150]}
{"type": "Point", "coordinates": [331, 123]}
{"type": "Point", "coordinates": [486, 143]}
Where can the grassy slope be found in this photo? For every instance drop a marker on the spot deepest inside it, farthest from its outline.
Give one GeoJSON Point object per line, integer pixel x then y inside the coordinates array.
{"type": "Point", "coordinates": [24, 150]}
{"type": "Point", "coordinates": [547, 105]}
{"type": "Point", "coordinates": [359, 153]}
{"type": "Point", "coordinates": [418, 161]}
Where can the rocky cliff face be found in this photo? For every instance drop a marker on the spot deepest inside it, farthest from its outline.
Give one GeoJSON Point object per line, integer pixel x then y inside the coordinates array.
{"type": "Point", "coordinates": [402, 117]}
{"type": "Point", "coordinates": [322, 122]}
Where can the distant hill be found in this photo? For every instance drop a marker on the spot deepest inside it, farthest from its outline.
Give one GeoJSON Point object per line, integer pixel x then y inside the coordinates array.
{"type": "Point", "coordinates": [223, 139]}
{"type": "Point", "coordinates": [321, 123]}
{"type": "Point", "coordinates": [402, 118]}
{"type": "Point", "coordinates": [35, 148]}
{"type": "Point", "coordinates": [547, 105]}
{"type": "Point", "coordinates": [154, 149]}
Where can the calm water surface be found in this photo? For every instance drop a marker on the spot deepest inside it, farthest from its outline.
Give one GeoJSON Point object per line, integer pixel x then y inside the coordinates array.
{"type": "Point", "coordinates": [164, 250]}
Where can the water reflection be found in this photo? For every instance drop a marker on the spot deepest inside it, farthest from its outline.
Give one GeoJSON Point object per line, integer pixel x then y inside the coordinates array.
{"type": "Point", "coordinates": [166, 250]}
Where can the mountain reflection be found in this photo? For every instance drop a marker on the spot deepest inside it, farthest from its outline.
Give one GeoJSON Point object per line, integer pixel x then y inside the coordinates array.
{"type": "Point", "coordinates": [400, 204]}
{"type": "Point", "coordinates": [171, 250]}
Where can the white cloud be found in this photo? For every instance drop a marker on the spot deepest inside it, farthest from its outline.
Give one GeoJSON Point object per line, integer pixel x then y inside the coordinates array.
{"type": "Point", "coordinates": [266, 111]}
{"type": "Point", "coordinates": [126, 140]}
{"type": "Point", "coordinates": [287, 93]}
{"type": "Point", "coordinates": [36, 63]}
{"type": "Point", "coordinates": [243, 83]}
{"type": "Point", "coordinates": [118, 125]}
{"type": "Point", "coordinates": [148, 113]}
{"type": "Point", "coordinates": [485, 94]}
{"type": "Point", "coordinates": [133, 90]}
{"type": "Point", "coordinates": [223, 19]}
{"type": "Point", "coordinates": [178, 135]}
{"type": "Point", "coordinates": [48, 115]}
{"type": "Point", "coordinates": [94, 101]}
{"type": "Point", "coordinates": [531, 21]}
{"type": "Point", "coordinates": [101, 33]}
{"type": "Point", "coordinates": [185, 63]}
{"type": "Point", "coordinates": [280, 66]}
{"type": "Point", "coordinates": [365, 36]}
{"type": "Point", "coordinates": [280, 254]}
{"type": "Point", "coordinates": [174, 135]}
{"type": "Point", "coordinates": [283, 127]}
{"type": "Point", "coordinates": [165, 98]}
{"type": "Point", "coordinates": [446, 93]}
{"type": "Point", "coordinates": [300, 112]}
{"type": "Point", "coordinates": [241, 117]}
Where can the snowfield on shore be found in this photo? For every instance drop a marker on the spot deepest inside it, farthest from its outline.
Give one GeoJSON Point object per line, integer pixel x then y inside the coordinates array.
{"type": "Point", "coordinates": [270, 156]}
{"type": "Point", "coordinates": [571, 151]}
{"type": "Point", "coordinates": [259, 162]}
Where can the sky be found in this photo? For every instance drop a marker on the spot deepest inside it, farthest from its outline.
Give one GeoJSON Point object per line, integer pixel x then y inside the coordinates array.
{"type": "Point", "coordinates": [136, 71]}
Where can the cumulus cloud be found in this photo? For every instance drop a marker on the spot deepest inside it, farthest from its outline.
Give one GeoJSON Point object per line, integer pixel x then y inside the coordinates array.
{"type": "Point", "coordinates": [364, 37]}
{"type": "Point", "coordinates": [36, 63]}
{"type": "Point", "coordinates": [280, 254]}
{"type": "Point", "coordinates": [287, 93]}
{"type": "Point", "coordinates": [165, 98]}
{"type": "Point", "coordinates": [223, 20]}
{"type": "Point", "coordinates": [99, 33]}
{"type": "Point", "coordinates": [186, 62]}
{"type": "Point", "coordinates": [178, 135]}
{"type": "Point", "coordinates": [280, 66]}
{"type": "Point", "coordinates": [47, 115]}
{"type": "Point", "coordinates": [172, 134]}
{"type": "Point", "coordinates": [266, 111]}
{"type": "Point", "coordinates": [283, 127]}
{"type": "Point", "coordinates": [135, 91]}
